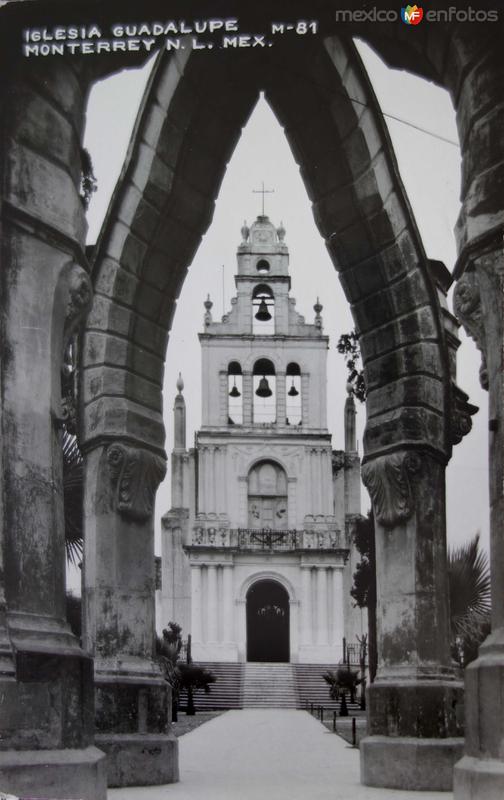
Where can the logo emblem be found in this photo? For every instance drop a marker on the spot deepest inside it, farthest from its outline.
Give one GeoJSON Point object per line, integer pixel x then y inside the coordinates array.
{"type": "Point", "coordinates": [411, 15]}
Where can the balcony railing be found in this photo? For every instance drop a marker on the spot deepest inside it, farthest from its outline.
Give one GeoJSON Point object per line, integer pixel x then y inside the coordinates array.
{"type": "Point", "coordinates": [267, 539]}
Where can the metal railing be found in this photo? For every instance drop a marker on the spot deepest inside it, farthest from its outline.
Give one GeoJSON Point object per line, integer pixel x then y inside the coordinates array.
{"type": "Point", "coordinates": [267, 539]}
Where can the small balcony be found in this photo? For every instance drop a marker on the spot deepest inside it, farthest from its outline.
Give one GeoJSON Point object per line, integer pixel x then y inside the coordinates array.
{"type": "Point", "coordinates": [265, 540]}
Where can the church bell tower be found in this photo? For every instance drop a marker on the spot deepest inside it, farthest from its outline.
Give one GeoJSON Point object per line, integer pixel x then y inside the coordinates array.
{"type": "Point", "coordinates": [255, 549]}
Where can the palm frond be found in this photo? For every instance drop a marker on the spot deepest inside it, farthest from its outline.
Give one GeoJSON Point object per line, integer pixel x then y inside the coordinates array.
{"type": "Point", "coordinates": [469, 582]}
{"type": "Point", "coordinates": [73, 494]}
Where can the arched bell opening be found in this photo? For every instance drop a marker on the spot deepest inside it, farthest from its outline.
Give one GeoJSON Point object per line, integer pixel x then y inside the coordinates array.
{"type": "Point", "coordinates": [268, 622]}
{"type": "Point", "coordinates": [263, 308]}
{"type": "Point", "coordinates": [264, 391]}
{"type": "Point", "coordinates": [235, 394]}
{"type": "Point", "coordinates": [293, 394]}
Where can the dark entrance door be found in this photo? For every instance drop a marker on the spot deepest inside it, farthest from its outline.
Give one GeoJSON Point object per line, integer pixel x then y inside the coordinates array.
{"type": "Point", "coordinates": [267, 622]}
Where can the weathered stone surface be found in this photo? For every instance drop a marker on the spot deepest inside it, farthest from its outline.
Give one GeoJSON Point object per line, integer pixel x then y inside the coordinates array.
{"type": "Point", "coordinates": [409, 763]}
{"type": "Point", "coordinates": [413, 328]}
{"type": "Point", "coordinates": [146, 759]}
{"type": "Point", "coordinates": [37, 124]}
{"type": "Point", "coordinates": [420, 357]}
{"type": "Point", "coordinates": [110, 417]}
{"type": "Point", "coordinates": [108, 381]}
{"type": "Point", "coordinates": [55, 773]}
{"type": "Point", "coordinates": [42, 189]}
{"type": "Point", "coordinates": [102, 347]}
{"type": "Point", "coordinates": [409, 391]}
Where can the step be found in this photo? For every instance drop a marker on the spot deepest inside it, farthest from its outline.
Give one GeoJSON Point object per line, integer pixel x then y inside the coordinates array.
{"type": "Point", "coordinates": [269, 685]}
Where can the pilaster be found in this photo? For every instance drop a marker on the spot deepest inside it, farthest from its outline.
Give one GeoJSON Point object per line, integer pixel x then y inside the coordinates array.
{"type": "Point", "coordinates": [132, 698]}
{"type": "Point", "coordinates": [415, 724]}
{"type": "Point", "coordinates": [479, 304]}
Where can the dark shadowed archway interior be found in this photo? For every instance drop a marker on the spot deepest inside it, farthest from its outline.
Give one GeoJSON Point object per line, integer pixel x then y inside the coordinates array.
{"type": "Point", "coordinates": [267, 622]}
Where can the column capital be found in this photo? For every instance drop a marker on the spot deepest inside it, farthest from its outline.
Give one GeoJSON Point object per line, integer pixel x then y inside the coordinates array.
{"type": "Point", "coordinates": [468, 309]}
{"type": "Point", "coordinates": [135, 475]}
{"type": "Point", "coordinates": [388, 479]}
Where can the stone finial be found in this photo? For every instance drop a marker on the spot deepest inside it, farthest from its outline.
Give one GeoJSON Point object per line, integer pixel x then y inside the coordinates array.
{"type": "Point", "coordinates": [281, 232]}
{"type": "Point", "coordinates": [318, 308]}
{"type": "Point", "coordinates": [180, 383]}
{"type": "Point", "coordinates": [245, 232]}
{"type": "Point", "coordinates": [208, 310]}
{"type": "Point", "coordinates": [350, 413]}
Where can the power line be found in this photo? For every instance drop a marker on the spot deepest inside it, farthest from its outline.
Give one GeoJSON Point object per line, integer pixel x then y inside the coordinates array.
{"type": "Point", "coordinates": [404, 121]}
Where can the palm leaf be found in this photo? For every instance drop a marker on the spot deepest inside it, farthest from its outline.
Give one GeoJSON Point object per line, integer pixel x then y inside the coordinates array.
{"type": "Point", "coordinates": [469, 583]}
{"type": "Point", "coordinates": [73, 491]}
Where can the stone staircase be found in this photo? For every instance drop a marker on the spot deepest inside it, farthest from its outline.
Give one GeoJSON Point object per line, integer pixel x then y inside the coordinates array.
{"type": "Point", "coordinates": [225, 693]}
{"type": "Point", "coordinates": [312, 688]}
{"type": "Point", "coordinates": [268, 685]}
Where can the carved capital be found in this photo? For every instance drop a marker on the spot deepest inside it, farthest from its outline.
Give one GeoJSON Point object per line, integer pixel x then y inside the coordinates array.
{"type": "Point", "coordinates": [468, 309]}
{"type": "Point", "coordinates": [460, 416]}
{"type": "Point", "coordinates": [135, 475]}
{"type": "Point", "coordinates": [388, 481]}
{"type": "Point", "coordinates": [79, 298]}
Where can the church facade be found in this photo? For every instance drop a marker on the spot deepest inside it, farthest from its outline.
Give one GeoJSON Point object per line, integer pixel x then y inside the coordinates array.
{"type": "Point", "coordinates": [257, 559]}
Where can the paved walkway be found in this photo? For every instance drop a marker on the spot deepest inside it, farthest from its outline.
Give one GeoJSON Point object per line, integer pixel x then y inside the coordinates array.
{"type": "Point", "coordinates": [260, 754]}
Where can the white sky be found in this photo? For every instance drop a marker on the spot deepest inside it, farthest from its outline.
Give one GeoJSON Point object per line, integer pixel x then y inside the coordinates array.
{"type": "Point", "coordinates": [430, 170]}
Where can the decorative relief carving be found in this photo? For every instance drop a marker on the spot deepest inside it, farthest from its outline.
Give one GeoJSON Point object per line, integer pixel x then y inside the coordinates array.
{"type": "Point", "coordinates": [136, 475]}
{"type": "Point", "coordinates": [461, 413]}
{"type": "Point", "coordinates": [78, 299]}
{"type": "Point", "coordinates": [388, 480]}
{"type": "Point", "coordinates": [468, 309]}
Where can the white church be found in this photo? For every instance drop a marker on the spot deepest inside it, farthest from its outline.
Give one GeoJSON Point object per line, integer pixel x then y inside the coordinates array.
{"type": "Point", "coordinates": [257, 559]}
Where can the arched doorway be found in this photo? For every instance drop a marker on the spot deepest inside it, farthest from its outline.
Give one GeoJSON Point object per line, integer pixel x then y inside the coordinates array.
{"type": "Point", "coordinates": [267, 622]}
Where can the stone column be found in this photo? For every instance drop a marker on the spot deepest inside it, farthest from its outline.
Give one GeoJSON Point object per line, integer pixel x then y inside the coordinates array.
{"type": "Point", "coordinates": [248, 398]}
{"type": "Point", "coordinates": [212, 604]}
{"type": "Point", "coordinates": [132, 698]}
{"type": "Point", "coordinates": [479, 304]}
{"type": "Point", "coordinates": [305, 399]}
{"type": "Point", "coordinates": [196, 605]}
{"type": "Point", "coordinates": [227, 603]}
{"type": "Point", "coordinates": [322, 620]}
{"type": "Point", "coordinates": [281, 407]}
{"type": "Point", "coordinates": [306, 606]}
{"type": "Point", "coordinates": [46, 691]}
{"type": "Point", "coordinates": [223, 398]}
{"type": "Point", "coordinates": [338, 608]}
{"type": "Point", "coordinates": [415, 704]}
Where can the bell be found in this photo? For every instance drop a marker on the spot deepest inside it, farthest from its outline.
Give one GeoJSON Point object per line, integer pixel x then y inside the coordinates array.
{"type": "Point", "coordinates": [263, 315]}
{"type": "Point", "coordinates": [293, 392]}
{"type": "Point", "coordinates": [263, 390]}
{"type": "Point", "coordinates": [235, 392]}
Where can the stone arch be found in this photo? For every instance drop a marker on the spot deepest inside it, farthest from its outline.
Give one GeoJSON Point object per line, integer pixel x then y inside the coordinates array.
{"type": "Point", "coordinates": [163, 205]}
{"type": "Point", "coordinates": [186, 131]}
{"type": "Point", "coordinates": [42, 214]}
{"type": "Point", "coordinates": [266, 575]}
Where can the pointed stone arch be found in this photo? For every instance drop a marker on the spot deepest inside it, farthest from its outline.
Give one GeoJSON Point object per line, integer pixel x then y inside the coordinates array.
{"type": "Point", "coordinates": [42, 213]}
{"type": "Point", "coordinates": [164, 203]}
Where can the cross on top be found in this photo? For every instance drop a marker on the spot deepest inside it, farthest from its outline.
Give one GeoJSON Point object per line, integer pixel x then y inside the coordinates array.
{"type": "Point", "coordinates": [263, 191]}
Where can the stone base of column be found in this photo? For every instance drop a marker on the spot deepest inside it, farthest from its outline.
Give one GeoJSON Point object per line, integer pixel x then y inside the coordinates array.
{"type": "Point", "coordinates": [409, 763]}
{"type": "Point", "coordinates": [415, 734]}
{"type": "Point", "coordinates": [140, 759]}
{"type": "Point", "coordinates": [133, 723]}
{"type": "Point", "coordinates": [54, 773]}
{"type": "Point", "coordinates": [478, 779]}
{"type": "Point", "coordinates": [480, 773]}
